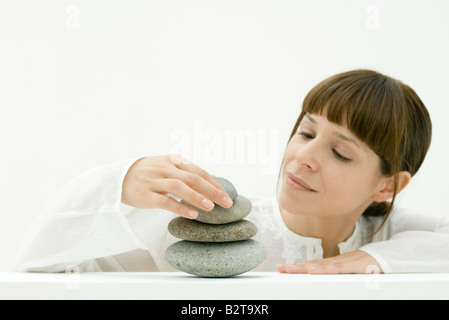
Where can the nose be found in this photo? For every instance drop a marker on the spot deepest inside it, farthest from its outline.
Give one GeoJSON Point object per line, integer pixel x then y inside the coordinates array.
{"type": "Point", "coordinates": [307, 156]}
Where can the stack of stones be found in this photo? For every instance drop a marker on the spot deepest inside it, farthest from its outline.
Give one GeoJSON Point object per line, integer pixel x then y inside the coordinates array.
{"type": "Point", "coordinates": [217, 243]}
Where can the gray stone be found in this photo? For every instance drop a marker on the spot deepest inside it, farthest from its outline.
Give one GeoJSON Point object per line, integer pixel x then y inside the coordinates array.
{"type": "Point", "coordinates": [219, 215]}
{"type": "Point", "coordinates": [228, 186]}
{"type": "Point", "coordinates": [216, 259]}
{"type": "Point", "coordinates": [192, 230]}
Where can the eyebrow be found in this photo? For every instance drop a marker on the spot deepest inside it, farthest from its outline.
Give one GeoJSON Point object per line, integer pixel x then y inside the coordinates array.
{"type": "Point", "coordinates": [310, 118]}
{"type": "Point", "coordinates": [345, 138]}
{"type": "Point", "coordinates": [338, 134]}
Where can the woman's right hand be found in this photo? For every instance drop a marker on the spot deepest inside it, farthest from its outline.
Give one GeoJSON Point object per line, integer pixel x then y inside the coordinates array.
{"type": "Point", "coordinates": [150, 179]}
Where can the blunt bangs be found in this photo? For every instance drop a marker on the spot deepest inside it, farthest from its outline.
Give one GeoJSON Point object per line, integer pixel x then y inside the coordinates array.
{"type": "Point", "coordinates": [369, 105]}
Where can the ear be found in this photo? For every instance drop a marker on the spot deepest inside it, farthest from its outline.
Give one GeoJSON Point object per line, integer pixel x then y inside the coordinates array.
{"type": "Point", "coordinates": [386, 187]}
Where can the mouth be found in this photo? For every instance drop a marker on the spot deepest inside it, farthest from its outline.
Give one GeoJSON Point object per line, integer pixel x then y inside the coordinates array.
{"type": "Point", "coordinates": [298, 184]}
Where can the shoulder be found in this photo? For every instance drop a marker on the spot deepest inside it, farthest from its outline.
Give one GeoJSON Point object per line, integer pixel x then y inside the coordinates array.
{"type": "Point", "coordinates": [403, 219]}
{"type": "Point", "coordinates": [263, 205]}
{"type": "Point", "coordinates": [265, 213]}
{"type": "Point", "coordinates": [262, 202]}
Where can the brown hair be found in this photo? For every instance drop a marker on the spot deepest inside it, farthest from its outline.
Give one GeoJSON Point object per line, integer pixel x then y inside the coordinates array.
{"type": "Point", "coordinates": [384, 113]}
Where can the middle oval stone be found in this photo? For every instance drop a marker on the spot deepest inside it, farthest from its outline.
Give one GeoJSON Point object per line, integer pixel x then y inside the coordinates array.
{"type": "Point", "coordinates": [192, 230]}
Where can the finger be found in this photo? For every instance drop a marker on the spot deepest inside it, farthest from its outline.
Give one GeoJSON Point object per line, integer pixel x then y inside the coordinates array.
{"type": "Point", "coordinates": [188, 166]}
{"type": "Point", "coordinates": [177, 159]}
{"type": "Point", "coordinates": [208, 190]}
{"type": "Point", "coordinates": [180, 189]}
{"type": "Point", "coordinates": [310, 267]}
{"type": "Point", "coordinates": [281, 268]}
{"type": "Point", "coordinates": [325, 266]}
{"type": "Point", "coordinates": [296, 268]}
{"type": "Point", "coordinates": [170, 204]}
{"type": "Point", "coordinates": [348, 263]}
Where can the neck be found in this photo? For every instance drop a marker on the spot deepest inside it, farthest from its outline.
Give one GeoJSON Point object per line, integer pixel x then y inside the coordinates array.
{"type": "Point", "coordinates": [331, 230]}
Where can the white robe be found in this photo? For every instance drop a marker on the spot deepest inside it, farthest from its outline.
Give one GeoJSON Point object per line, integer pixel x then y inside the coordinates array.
{"type": "Point", "coordinates": [86, 227]}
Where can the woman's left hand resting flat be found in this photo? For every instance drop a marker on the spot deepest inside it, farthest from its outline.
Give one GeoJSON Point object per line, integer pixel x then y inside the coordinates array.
{"type": "Point", "coordinates": [149, 181]}
{"type": "Point", "coordinates": [352, 262]}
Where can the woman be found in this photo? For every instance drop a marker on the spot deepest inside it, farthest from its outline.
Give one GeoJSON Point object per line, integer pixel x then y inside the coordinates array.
{"type": "Point", "coordinates": [359, 139]}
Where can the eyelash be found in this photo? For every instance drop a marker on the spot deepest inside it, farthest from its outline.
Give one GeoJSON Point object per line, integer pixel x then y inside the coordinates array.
{"type": "Point", "coordinates": [336, 154]}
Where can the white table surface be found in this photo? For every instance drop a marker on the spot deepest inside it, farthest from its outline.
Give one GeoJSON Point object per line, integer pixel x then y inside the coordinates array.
{"type": "Point", "coordinates": [258, 286]}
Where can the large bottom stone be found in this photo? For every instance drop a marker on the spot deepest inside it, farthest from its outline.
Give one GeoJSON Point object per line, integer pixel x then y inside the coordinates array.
{"type": "Point", "coordinates": [216, 259]}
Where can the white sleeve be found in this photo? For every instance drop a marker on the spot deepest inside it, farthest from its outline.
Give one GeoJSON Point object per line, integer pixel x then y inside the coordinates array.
{"type": "Point", "coordinates": [412, 243]}
{"type": "Point", "coordinates": [85, 220]}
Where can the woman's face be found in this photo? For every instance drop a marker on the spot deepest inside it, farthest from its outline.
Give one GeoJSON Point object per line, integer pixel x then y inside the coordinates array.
{"type": "Point", "coordinates": [327, 171]}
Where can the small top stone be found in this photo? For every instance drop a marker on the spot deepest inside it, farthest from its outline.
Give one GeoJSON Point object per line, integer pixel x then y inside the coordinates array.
{"type": "Point", "coordinates": [218, 215]}
{"type": "Point", "coordinates": [228, 186]}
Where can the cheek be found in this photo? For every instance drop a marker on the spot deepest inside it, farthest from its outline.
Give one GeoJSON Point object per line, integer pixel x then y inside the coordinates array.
{"type": "Point", "coordinates": [349, 187]}
{"type": "Point", "coordinates": [289, 154]}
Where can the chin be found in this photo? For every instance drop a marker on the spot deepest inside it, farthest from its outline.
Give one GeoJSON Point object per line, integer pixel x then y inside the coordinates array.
{"type": "Point", "coordinates": [290, 203]}
{"type": "Point", "coordinates": [298, 205]}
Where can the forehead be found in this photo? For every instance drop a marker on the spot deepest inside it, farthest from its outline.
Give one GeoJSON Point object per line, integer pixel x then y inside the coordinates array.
{"type": "Point", "coordinates": [341, 132]}
{"type": "Point", "coordinates": [318, 119]}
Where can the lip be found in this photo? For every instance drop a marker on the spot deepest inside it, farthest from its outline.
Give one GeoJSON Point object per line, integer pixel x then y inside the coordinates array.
{"type": "Point", "coordinates": [297, 183]}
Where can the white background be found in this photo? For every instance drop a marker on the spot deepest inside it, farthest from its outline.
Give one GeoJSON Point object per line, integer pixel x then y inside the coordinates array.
{"type": "Point", "coordinates": [84, 83]}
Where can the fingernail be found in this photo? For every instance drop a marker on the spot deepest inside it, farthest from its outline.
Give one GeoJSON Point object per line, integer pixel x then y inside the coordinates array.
{"type": "Point", "coordinates": [227, 202]}
{"type": "Point", "coordinates": [291, 268]}
{"type": "Point", "coordinates": [207, 204]}
{"type": "Point", "coordinates": [280, 268]}
{"type": "Point", "coordinates": [192, 213]}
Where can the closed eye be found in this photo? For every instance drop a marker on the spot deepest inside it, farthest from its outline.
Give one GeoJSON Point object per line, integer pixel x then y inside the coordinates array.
{"type": "Point", "coordinates": [306, 135]}
{"type": "Point", "coordinates": [337, 155]}
{"type": "Point", "coordinates": [340, 157]}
